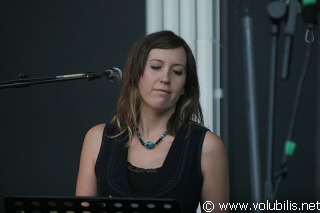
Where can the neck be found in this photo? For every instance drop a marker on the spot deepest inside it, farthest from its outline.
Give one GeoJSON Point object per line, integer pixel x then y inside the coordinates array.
{"type": "Point", "coordinates": [153, 123]}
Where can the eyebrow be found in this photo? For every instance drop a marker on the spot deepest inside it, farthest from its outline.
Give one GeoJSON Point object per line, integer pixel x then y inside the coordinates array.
{"type": "Point", "coordinates": [163, 61]}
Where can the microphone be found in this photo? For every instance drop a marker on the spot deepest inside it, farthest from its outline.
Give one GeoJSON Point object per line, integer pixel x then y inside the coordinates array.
{"type": "Point", "coordinates": [113, 74]}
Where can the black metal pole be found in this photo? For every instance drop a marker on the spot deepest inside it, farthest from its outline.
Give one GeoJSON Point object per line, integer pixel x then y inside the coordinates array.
{"type": "Point", "coordinates": [252, 110]}
{"type": "Point", "coordinates": [24, 81]}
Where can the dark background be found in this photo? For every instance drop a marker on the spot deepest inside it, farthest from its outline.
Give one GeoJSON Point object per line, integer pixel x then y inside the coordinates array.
{"type": "Point", "coordinates": [302, 182]}
{"type": "Point", "coordinates": [42, 127]}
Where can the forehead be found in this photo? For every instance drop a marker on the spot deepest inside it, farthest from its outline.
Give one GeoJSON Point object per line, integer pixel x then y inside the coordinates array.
{"type": "Point", "coordinates": [175, 56]}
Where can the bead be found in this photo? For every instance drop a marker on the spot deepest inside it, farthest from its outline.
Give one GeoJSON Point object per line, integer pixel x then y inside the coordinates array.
{"type": "Point", "coordinates": [150, 145]}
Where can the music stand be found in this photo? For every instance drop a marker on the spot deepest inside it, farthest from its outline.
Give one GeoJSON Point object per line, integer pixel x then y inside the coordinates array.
{"type": "Point", "coordinates": [27, 204]}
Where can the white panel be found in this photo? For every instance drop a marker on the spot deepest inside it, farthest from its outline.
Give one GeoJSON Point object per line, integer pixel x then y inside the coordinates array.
{"type": "Point", "coordinates": [217, 91]}
{"type": "Point", "coordinates": [171, 15]}
{"type": "Point", "coordinates": [188, 22]}
{"type": "Point", "coordinates": [154, 19]}
{"type": "Point", "coordinates": [205, 58]}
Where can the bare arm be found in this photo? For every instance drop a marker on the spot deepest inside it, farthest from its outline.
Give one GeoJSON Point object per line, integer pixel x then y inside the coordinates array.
{"type": "Point", "coordinates": [86, 182]}
{"type": "Point", "coordinates": [214, 164]}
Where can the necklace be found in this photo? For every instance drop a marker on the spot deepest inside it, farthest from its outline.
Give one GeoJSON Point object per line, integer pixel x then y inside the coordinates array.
{"type": "Point", "coordinates": [150, 144]}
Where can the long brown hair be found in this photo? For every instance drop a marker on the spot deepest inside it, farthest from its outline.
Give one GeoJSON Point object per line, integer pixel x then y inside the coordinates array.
{"type": "Point", "coordinates": [188, 109]}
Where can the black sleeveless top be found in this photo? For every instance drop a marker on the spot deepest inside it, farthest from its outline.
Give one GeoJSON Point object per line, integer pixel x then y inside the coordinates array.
{"type": "Point", "coordinates": [140, 178]}
{"type": "Point", "coordinates": [179, 178]}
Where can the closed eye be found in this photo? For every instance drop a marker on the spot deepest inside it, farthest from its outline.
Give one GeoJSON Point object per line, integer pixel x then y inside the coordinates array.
{"type": "Point", "coordinates": [155, 67]}
{"type": "Point", "coordinates": [178, 72]}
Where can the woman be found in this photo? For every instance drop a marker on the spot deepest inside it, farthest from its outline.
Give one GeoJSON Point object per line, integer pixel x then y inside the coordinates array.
{"type": "Point", "coordinates": [156, 145]}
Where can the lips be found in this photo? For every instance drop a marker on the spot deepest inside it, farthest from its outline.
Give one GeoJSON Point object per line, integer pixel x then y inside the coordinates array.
{"type": "Point", "coordinates": [163, 90]}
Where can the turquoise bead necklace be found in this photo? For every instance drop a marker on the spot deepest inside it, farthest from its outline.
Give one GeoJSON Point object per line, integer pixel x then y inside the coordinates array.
{"type": "Point", "coordinates": [150, 144]}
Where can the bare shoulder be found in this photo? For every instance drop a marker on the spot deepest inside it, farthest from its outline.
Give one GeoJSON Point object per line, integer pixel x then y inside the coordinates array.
{"type": "Point", "coordinates": [93, 137]}
{"type": "Point", "coordinates": [96, 131]}
{"type": "Point", "coordinates": [214, 155]}
{"type": "Point", "coordinates": [212, 144]}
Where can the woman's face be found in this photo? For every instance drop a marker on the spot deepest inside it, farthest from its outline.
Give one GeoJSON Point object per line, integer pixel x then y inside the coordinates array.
{"type": "Point", "coordinates": [163, 80]}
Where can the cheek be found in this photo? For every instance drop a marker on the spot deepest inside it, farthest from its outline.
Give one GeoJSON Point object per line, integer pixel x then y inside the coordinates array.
{"type": "Point", "coordinates": [181, 84]}
{"type": "Point", "coordinates": [143, 84]}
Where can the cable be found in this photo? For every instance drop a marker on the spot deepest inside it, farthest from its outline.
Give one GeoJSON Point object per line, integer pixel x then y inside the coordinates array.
{"type": "Point", "coordinates": [289, 144]}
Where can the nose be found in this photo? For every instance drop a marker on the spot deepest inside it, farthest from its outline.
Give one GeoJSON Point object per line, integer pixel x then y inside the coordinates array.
{"type": "Point", "coordinates": [165, 77]}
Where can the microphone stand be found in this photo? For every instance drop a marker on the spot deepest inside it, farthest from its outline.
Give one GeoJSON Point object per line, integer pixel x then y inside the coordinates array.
{"type": "Point", "coordinates": [277, 11]}
{"type": "Point", "coordinates": [25, 81]}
